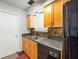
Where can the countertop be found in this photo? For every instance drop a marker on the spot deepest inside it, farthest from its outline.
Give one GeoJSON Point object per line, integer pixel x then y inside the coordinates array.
{"type": "Point", "coordinates": [52, 43]}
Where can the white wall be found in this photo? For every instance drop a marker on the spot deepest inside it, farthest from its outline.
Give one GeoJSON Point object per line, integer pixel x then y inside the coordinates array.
{"type": "Point", "coordinates": [4, 7]}
{"type": "Point", "coordinates": [11, 9]}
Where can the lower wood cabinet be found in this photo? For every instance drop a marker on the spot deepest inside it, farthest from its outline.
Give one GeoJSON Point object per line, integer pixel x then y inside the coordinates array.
{"type": "Point", "coordinates": [30, 48]}
{"type": "Point", "coordinates": [26, 46]}
{"type": "Point", "coordinates": [23, 44]}
{"type": "Point", "coordinates": [34, 50]}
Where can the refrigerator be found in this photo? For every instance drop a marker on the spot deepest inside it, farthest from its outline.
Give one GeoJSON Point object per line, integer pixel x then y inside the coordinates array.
{"type": "Point", "coordinates": [70, 24]}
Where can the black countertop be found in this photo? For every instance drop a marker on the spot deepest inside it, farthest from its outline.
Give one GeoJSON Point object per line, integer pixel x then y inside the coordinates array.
{"type": "Point", "coordinates": [52, 43]}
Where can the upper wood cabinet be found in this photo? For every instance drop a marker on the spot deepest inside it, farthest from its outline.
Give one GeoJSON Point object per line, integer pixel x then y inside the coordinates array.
{"type": "Point", "coordinates": [58, 12]}
{"type": "Point", "coordinates": [53, 14]}
{"type": "Point", "coordinates": [48, 16]}
{"type": "Point", "coordinates": [28, 21]}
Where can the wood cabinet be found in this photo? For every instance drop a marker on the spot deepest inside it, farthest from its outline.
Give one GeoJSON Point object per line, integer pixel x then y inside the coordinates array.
{"type": "Point", "coordinates": [28, 21]}
{"type": "Point", "coordinates": [48, 16]}
{"type": "Point", "coordinates": [53, 14]}
{"type": "Point", "coordinates": [30, 48]}
{"type": "Point", "coordinates": [58, 12]}
{"type": "Point", "coordinates": [34, 50]}
{"type": "Point", "coordinates": [26, 46]}
{"type": "Point", "coordinates": [23, 44]}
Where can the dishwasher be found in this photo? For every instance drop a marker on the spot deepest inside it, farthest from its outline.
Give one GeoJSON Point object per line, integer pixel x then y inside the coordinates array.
{"type": "Point", "coordinates": [45, 52]}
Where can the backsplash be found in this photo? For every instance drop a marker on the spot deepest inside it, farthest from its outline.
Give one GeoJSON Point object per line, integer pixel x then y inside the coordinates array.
{"type": "Point", "coordinates": [56, 32]}
{"type": "Point", "coordinates": [53, 32]}
{"type": "Point", "coordinates": [41, 33]}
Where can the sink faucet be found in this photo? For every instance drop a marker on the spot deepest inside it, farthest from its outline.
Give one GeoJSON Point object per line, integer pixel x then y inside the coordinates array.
{"type": "Point", "coordinates": [36, 35]}
{"type": "Point", "coordinates": [41, 35]}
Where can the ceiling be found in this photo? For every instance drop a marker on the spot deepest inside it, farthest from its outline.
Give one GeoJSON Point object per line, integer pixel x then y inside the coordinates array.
{"type": "Point", "coordinates": [23, 4]}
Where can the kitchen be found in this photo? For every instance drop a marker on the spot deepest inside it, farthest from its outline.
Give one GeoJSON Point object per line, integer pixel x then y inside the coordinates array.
{"type": "Point", "coordinates": [43, 29]}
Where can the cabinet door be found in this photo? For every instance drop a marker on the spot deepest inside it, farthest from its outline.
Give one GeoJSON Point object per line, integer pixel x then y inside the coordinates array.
{"type": "Point", "coordinates": [28, 22]}
{"type": "Point", "coordinates": [26, 43]}
{"type": "Point", "coordinates": [58, 14]}
{"type": "Point", "coordinates": [34, 50]}
{"type": "Point", "coordinates": [23, 44]}
{"type": "Point", "coordinates": [28, 47]}
{"type": "Point", "coordinates": [47, 16]}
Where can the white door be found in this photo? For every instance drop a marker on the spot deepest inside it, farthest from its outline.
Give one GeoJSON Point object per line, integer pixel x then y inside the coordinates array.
{"type": "Point", "coordinates": [8, 32]}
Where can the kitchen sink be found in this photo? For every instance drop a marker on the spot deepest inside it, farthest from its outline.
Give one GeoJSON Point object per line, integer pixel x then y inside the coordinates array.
{"type": "Point", "coordinates": [34, 37]}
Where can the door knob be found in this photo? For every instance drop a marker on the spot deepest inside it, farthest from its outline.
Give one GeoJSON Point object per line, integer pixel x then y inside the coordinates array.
{"type": "Point", "coordinates": [16, 35]}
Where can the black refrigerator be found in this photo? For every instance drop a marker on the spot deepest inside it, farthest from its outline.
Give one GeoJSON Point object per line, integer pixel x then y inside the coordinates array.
{"type": "Point", "coordinates": [70, 21]}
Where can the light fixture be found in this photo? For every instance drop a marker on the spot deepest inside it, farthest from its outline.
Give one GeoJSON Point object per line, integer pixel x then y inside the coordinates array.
{"type": "Point", "coordinates": [31, 2]}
